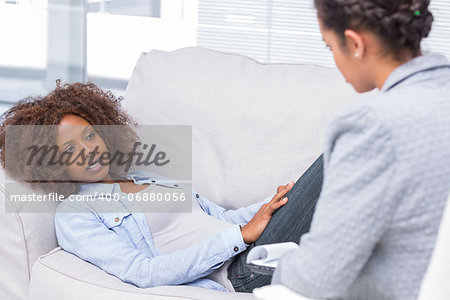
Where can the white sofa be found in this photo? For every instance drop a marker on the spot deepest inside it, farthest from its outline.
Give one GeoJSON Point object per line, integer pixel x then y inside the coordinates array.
{"type": "Point", "coordinates": [255, 126]}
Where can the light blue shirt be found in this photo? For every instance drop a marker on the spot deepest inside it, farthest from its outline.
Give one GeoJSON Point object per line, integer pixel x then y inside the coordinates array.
{"type": "Point", "coordinates": [120, 241]}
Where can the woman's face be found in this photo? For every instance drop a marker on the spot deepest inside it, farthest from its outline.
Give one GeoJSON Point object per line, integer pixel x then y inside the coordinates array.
{"type": "Point", "coordinates": [75, 135]}
{"type": "Point", "coordinates": [353, 68]}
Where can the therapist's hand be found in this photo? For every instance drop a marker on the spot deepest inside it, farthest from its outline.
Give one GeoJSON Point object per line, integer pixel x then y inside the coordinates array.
{"type": "Point", "coordinates": [255, 227]}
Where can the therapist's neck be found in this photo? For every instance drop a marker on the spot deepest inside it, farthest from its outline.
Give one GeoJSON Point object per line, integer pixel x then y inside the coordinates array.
{"type": "Point", "coordinates": [382, 68]}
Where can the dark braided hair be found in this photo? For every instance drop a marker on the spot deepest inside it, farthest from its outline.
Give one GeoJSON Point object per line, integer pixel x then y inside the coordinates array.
{"type": "Point", "coordinates": [85, 100]}
{"type": "Point", "coordinates": [400, 24]}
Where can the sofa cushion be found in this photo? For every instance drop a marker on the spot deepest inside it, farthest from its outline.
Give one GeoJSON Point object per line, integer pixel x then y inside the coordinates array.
{"type": "Point", "coordinates": [14, 275]}
{"type": "Point", "coordinates": [254, 126]}
{"type": "Point", "coordinates": [61, 275]}
{"type": "Point", "coordinates": [27, 232]}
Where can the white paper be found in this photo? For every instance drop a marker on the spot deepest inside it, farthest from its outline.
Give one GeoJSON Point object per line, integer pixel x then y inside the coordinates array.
{"type": "Point", "coordinates": [269, 255]}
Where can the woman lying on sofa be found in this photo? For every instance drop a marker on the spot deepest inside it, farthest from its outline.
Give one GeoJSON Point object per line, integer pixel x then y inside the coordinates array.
{"type": "Point", "coordinates": [150, 249]}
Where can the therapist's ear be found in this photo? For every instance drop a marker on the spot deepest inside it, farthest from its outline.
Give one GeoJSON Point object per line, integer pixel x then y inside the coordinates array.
{"type": "Point", "coordinates": [355, 43]}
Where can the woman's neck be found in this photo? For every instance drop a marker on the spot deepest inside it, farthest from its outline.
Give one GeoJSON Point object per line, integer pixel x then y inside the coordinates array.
{"type": "Point", "coordinates": [382, 73]}
{"type": "Point", "coordinates": [111, 180]}
{"type": "Point", "coordinates": [126, 185]}
{"type": "Point", "coordinates": [382, 70]}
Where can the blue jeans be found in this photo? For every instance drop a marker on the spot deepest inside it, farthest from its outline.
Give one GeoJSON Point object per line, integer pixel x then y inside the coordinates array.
{"type": "Point", "coordinates": [287, 224]}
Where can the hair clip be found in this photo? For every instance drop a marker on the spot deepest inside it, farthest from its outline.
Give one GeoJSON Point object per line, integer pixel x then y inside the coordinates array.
{"type": "Point", "coordinates": [417, 13]}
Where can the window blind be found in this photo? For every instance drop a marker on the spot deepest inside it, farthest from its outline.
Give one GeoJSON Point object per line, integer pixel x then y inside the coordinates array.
{"type": "Point", "coordinates": [286, 31]}
{"type": "Point", "coordinates": [439, 38]}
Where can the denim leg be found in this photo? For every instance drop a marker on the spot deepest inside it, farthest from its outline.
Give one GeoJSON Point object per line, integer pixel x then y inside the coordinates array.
{"type": "Point", "coordinates": [287, 224]}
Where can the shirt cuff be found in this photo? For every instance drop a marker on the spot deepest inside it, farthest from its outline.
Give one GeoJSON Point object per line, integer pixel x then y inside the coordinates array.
{"type": "Point", "coordinates": [234, 243]}
{"type": "Point", "coordinates": [240, 229]}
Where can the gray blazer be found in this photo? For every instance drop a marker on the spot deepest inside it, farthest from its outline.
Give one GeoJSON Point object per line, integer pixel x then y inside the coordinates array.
{"type": "Point", "coordinates": [386, 181]}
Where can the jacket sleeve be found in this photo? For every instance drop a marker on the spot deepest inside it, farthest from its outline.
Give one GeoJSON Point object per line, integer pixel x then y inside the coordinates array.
{"type": "Point", "coordinates": [354, 209]}
{"type": "Point", "coordinates": [241, 215]}
{"type": "Point", "coordinates": [81, 232]}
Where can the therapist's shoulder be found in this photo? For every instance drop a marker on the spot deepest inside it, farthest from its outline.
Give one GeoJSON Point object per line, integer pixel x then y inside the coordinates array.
{"type": "Point", "coordinates": [361, 129]}
{"type": "Point", "coordinates": [369, 113]}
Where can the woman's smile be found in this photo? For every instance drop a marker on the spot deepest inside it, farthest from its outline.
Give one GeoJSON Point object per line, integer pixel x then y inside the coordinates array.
{"type": "Point", "coordinates": [95, 166]}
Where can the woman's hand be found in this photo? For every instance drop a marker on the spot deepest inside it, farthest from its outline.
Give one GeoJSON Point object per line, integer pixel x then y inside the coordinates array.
{"type": "Point", "coordinates": [255, 227]}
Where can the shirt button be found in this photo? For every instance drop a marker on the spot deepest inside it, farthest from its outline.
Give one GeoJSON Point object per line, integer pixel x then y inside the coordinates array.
{"type": "Point", "coordinates": [117, 219]}
{"type": "Point", "coordinates": [196, 195]}
{"type": "Point", "coordinates": [236, 249]}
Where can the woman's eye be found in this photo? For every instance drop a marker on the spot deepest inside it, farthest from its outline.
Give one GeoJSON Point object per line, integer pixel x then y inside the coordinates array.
{"type": "Point", "coordinates": [327, 47]}
{"type": "Point", "coordinates": [90, 136]}
{"type": "Point", "coordinates": [69, 149]}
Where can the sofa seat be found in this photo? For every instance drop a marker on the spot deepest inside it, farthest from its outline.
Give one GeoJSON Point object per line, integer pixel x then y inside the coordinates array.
{"type": "Point", "coordinates": [61, 275]}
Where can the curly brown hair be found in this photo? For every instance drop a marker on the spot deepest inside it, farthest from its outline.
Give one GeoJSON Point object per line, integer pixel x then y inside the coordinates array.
{"type": "Point", "coordinates": [85, 100]}
{"type": "Point", "coordinates": [401, 24]}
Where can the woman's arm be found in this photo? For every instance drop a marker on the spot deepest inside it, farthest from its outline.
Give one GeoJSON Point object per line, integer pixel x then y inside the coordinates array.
{"type": "Point", "coordinates": [82, 233]}
{"type": "Point", "coordinates": [258, 220]}
{"type": "Point", "coordinates": [241, 215]}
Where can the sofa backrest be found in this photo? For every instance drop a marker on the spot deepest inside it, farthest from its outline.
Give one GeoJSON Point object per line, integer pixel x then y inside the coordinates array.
{"type": "Point", "coordinates": [255, 126]}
